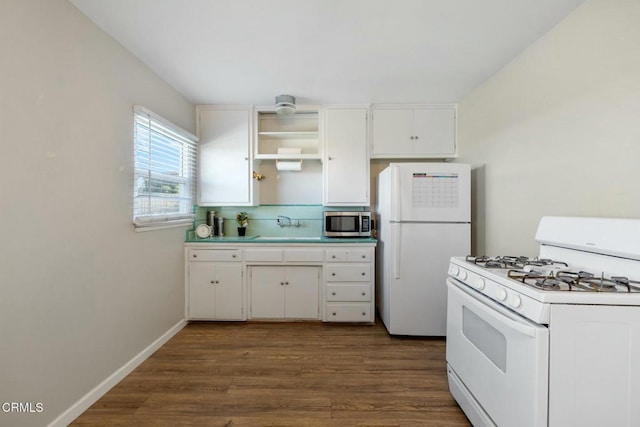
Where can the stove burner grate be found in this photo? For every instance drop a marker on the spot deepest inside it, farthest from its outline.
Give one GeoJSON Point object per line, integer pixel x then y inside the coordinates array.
{"type": "Point", "coordinates": [573, 281]}
{"type": "Point", "coordinates": [512, 262]}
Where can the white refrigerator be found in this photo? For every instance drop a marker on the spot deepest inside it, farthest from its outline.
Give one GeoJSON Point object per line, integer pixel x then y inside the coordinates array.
{"type": "Point", "coordinates": [424, 218]}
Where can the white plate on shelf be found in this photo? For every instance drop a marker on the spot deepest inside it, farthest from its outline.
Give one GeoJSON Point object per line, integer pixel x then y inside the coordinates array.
{"type": "Point", "coordinates": [203, 231]}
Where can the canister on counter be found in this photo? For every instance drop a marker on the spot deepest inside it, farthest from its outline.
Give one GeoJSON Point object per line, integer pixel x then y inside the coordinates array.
{"type": "Point", "coordinates": [212, 222]}
{"type": "Point", "coordinates": [220, 226]}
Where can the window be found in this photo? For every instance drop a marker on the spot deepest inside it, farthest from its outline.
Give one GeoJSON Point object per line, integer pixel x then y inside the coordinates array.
{"type": "Point", "coordinates": [165, 172]}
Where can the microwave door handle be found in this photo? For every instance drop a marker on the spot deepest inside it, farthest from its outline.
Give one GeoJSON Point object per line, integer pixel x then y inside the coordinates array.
{"type": "Point", "coordinates": [493, 313]}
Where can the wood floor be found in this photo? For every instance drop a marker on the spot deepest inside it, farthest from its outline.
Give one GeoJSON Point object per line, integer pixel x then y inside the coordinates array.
{"type": "Point", "coordinates": [284, 374]}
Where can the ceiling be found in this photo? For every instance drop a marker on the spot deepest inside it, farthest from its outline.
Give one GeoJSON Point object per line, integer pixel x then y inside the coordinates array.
{"type": "Point", "coordinates": [325, 51]}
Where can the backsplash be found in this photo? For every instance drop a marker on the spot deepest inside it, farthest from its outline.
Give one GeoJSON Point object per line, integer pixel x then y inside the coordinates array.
{"type": "Point", "coordinates": [262, 219]}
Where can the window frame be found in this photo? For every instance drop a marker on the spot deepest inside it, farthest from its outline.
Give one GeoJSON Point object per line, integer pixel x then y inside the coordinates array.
{"type": "Point", "coordinates": [184, 177]}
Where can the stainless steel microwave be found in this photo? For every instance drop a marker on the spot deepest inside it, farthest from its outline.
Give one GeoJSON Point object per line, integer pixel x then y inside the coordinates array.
{"type": "Point", "coordinates": [347, 224]}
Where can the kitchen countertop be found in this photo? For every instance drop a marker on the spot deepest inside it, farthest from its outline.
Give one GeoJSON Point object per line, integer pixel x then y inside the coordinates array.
{"type": "Point", "coordinates": [192, 238]}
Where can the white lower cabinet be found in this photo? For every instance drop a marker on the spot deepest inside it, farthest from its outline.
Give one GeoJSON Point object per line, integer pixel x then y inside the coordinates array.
{"type": "Point", "coordinates": [215, 289]}
{"type": "Point", "coordinates": [349, 287]}
{"type": "Point", "coordinates": [284, 292]}
{"type": "Point", "coordinates": [316, 281]}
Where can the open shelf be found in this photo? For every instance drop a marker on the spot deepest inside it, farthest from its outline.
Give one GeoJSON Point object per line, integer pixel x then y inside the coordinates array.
{"type": "Point", "coordinates": [299, 130]}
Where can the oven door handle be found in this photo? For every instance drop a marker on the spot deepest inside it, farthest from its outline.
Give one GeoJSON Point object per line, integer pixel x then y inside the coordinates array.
{"type": "Point", "coordinates": [494, 312]}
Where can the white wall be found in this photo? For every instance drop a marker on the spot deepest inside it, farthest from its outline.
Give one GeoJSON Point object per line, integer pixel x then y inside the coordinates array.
{"type": "Point", "coordinates": [82, 292]}
{"type": "Point", "coordinates": [557, 131]}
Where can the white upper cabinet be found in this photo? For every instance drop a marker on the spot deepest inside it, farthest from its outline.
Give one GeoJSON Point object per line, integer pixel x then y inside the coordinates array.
{"type": "Point", "coordinates": [346, 156]}
{"type": "Point", "coordinates": [414, 131]}
{"type": "Point", "coordinates": [225, 162]}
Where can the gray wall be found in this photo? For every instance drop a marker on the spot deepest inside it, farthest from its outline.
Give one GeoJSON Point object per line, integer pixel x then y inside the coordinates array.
{"type": "Point", "coordinates": [82, 292]}
{"type": "Point", "coordinates": [557, 131]}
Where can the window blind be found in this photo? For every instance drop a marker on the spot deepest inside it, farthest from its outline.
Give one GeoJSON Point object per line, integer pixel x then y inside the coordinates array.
{"type": "Point", "coordinates": [165, 171]}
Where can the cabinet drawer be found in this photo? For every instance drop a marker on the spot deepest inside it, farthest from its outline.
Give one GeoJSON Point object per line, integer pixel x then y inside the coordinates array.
{"type": "Point", "coordinates": [263, 254]}
{"type": "Point", "coordinates": [304, 255]}
{"type": "Point", "coordinates": [215, 255]}
{"type": "Point", "coordinates": [349, 255]}
{"type": "Point", "coordinates": [355, 312]}
{"type": "Point", "coordinates": [349, 292]}
{"type": "Point", "coordinates": [359, 255]}
{"type": "Point", "coordinates": [348, 272]}
{"type": "Point", "coordinates": [334, 255]}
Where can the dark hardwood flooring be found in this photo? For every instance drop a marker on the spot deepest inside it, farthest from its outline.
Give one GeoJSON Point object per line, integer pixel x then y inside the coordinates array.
{"type": "Point", "coordinates": [284, 374]}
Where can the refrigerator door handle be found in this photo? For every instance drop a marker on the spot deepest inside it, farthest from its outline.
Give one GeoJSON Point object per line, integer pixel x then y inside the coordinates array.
{"type": "Point", "coordinates": [395, 193]}
{"type": "Point", "coordinates": [397, 233]}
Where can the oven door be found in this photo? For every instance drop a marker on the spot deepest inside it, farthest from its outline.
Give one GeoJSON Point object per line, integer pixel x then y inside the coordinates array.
{"type": "Point", "coordinates": [498, 361]}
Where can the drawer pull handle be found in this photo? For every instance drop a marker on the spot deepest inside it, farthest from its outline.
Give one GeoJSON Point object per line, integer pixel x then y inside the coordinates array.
{"type": "Point", "coordinates": [364, 314]}
{"type": "Point", "coordinates": [281, 283]}
{"type": "Point", "coordinates": [363, 273]}
{"type": "Point", "coordinates": [286, 283]}
{"type": "Point", "coordinates": [333, 293]}
{"type": "Point", "coordinates": [195, 256]}
{"type": "Point", "coordinates": [364, 256]}
{"type": "Point", "coordinates": [364, 293]}
{"type": "Point", "coordinates": [333, 256]}
{"type": "Point", "coordinates": [333, 274]}
{"type": "Point", "coordinates": [213, 281]}
{"type": "Point", "coordinates": [233, 256]}
{"type": "Point", "coordinates": [334, 313]}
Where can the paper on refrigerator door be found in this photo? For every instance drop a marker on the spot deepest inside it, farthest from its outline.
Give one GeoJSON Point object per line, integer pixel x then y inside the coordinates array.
{"type": "Point", "coordinates": [435, 190]}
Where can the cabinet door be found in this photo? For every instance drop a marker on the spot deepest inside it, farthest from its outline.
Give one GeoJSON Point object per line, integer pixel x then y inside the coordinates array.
{"type": "Point", "coordinates": [224, 170]}
{"type": "Point", "coordinates": [301, 293]}
{"type": "Point", "coordinates": [228, 298]}
{"type": "Point", "coordinates": [392, 132]}
{"type": "Point", "coordinates": [267, 292]}
{"type": "Point", "coordinates": [434, 130]}
{"type": "Point", "coordinates": [202, 290]}
{"type": "Point", "coordinates": [346, 165]}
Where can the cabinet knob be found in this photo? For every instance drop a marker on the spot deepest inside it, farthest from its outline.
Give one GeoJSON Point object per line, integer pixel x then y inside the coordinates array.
{"type": "Point", "coordinates": [364, 314]}
{"type": "Point", "coordinates": [334, 313]}
{"type": "Point", "coordinates": [233, 256]}
{"type": "Point", "coordinates": [363, 273]}
{"type": "Point", "coordinates": [416, 136]}
{"type": "Point", "coordinates": [333, 293]}
{"type": "Point", "coordinates": [281, 283]}
{"type": "Point", "coordinates": [364, 293]}
{"type": "Point", "coordinates": [213, 281]}
{"type": "Point", "coordinates": [333, 274]}
{"type": "Point", "coordinates": [286, 283]}
{"type": "Point", "coordinates": [195, 256]}
{"type": "Point", "coordinates": [411, 137]}
{"type": "Point", "coordinates": [364, 256]}
{"type": "Point", "coordinates": [329, 158]}
{"type": "Point", "coordinates": [332, 256]}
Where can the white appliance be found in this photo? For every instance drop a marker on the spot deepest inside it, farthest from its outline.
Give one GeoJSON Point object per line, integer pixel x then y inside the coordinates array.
{"type": "Point", "coordinates": [554, 340]}
{"type": "Point", "coordinates": [424, 218]}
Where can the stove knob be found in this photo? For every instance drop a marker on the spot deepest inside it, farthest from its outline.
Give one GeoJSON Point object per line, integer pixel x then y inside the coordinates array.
{"type": "Point", "coordinates": [479, 284]}
{"type": "Point", "coordinates": [462, 274]}
{"type": "Point", "coordinates": [516, 301]}
{"type": "Point", "coordinates": [454, 270]}
{"type": "Point", "coordinates": [501, 294]}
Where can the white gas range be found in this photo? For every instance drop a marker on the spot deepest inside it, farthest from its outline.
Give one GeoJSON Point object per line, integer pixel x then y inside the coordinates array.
{"type": "Point", "coordinates": [554, 340]}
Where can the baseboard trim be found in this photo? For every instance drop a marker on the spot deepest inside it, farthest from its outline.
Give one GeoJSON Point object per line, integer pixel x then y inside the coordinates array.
{"type": "Point", "coordinates": [101, 389]}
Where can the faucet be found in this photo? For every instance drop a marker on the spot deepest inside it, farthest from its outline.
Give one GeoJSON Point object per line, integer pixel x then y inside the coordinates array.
{"type": "Point", "coordinates": [285, 221]}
